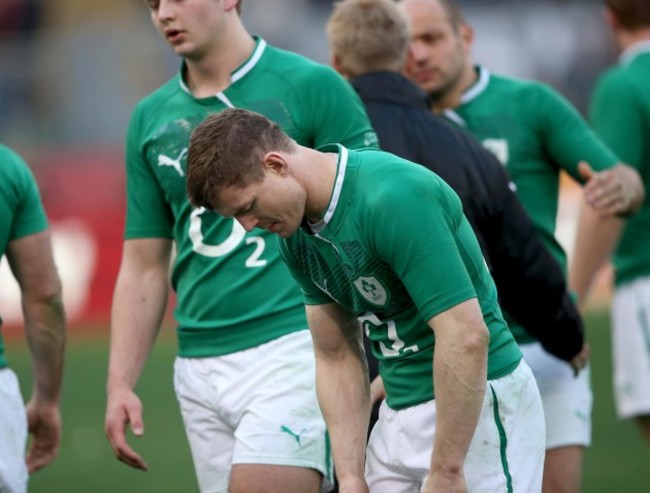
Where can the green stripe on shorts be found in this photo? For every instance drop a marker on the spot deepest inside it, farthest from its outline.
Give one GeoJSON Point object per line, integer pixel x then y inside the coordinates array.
{"type": "Point", "coordinates": [503, 441]}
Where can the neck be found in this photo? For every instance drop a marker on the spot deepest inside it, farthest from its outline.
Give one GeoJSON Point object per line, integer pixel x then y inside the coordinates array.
{"type": "Point", "coordinates": [210, 72]}
{"type": "Point", "coordinates": [318, 178]}
{"type": "Point", "coordinates": [451, 98]}
{"type": "Point", "coordinates": [625, 39]}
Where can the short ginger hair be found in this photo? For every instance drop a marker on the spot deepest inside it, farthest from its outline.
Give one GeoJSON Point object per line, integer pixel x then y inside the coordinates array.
{"type": "Point", "coordinates": [227, 150]}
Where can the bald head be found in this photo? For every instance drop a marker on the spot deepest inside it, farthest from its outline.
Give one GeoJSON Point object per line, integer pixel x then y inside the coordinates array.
{"type": "Point", "coordinates": [449, 8]}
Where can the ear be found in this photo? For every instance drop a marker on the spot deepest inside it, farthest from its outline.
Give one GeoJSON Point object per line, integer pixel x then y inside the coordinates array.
{"type": "Point", "coordinates": [335, 61]}
{"type": "Point", "coordinates": [274, 162]}
{"type": "Point", "coordinates": [229, 5]}
{"type": "Point", "coordinates": [611, 19]}
{"type": "Point", "coordinates": [466, 33]}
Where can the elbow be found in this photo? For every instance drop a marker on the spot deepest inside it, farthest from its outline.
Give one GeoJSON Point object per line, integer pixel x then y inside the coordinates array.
{"type": "Point", "coordinates": [477, 339]}
{"type": "Point", "coordinates": [46, 293]}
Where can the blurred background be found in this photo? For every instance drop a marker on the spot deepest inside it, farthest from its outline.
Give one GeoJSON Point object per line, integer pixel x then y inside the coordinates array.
{"type": "Point", "coordinates": [71, 71]}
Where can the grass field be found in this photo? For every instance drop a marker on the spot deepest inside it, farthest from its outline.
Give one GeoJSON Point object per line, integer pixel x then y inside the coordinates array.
{"type": "Point", "coordinates": [618, 461]}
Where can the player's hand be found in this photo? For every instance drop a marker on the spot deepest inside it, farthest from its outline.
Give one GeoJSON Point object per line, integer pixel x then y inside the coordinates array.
{"type": "Point", "coordinates": [124, 408]}
{"type": "Point", "coordinates": [614, 191]}
{"type": "Point", "coordinates": [377, 390]}
{"type": "Point", "coordinates": [44, 423]}
{"type": "Point", "coordinates": [580, 360]}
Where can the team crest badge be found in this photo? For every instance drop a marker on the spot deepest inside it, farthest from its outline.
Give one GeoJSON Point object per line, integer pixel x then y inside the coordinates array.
{"type": "Point", "coordinates": [372, 290]}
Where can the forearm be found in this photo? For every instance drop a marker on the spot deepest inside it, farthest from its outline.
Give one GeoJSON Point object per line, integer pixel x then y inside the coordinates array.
{"type": "Point", "coordinates": [460, 372]}
{"type": "Point", "coordinates": [596, 239]}
{"type": "Point", "coordinates": [344, 397]}
{"type": "Point", "coordinates": [45, 331]}
{"type": "Point", "coordinates": [139, 304]}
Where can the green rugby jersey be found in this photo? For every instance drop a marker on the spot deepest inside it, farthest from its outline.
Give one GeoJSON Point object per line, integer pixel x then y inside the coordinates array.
{"type": "Point", "coordinates": [395, 249]}
{"type": "Point", "coordinates": [233, 290]}
{"type": "Point", "coordinates": [620, 112]}
{"type": "Point", "coordinates": [21, 210]}
{"type": "Point", "coordinates": [535, 133]}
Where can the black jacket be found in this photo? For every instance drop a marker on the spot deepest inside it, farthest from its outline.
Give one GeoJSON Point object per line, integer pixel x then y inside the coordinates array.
{"type": "Point", "coordinates": [530, 283]}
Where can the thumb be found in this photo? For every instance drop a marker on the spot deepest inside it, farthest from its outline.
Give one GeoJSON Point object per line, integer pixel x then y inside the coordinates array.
{"type": "Point", "coordinates": [135, 418]}
{"type": "Point", "coordinates": [585, 170]}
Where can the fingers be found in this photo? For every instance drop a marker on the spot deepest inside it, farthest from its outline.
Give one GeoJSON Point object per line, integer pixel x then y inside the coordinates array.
{"type": "Point", "coordinates": [41, 454]}
{"type": "Point", "coordinates": [585, 170]}
{"type": "Point", "coordinates": [117, 419]}
{"type": "Point", "coordinates": [606, 194]}
{"type": "Point", "coordinates": [579, 362]}
{"type": "Point", "coordinates": [44, 424]}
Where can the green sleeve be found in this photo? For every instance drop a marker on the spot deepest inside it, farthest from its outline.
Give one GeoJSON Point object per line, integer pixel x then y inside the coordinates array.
{"type": "Point", "coordinates": [312, 295]}
{"type": "Point", "coordinates": [419, 229]}
{"type": "Point", "coordinates": [617, 118]}
{"type": "Point", "coordinates": [29, 216]}
{"type": "Point", "coordinates": [567, 137]}
{"type": "Point", "coordinates": [147, 212]}
{"type": "Point", "coordinates": [333, 110]}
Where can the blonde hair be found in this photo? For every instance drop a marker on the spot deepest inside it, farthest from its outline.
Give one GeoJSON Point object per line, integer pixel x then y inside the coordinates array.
{"type": "Point", "coordinates": [368, 35]}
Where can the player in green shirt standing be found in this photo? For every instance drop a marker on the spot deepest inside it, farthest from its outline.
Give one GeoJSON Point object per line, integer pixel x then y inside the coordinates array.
{"type": "Point", "coordinates": [535, 133]}
{"type": "Point", "coordinates": [380, 243]}
{"type": "Point", "coordinates": [621, 116]}
{"type": "Point", "coordinates": [25, 240]}
{"type": "Point", "coordinates": [245, 367]}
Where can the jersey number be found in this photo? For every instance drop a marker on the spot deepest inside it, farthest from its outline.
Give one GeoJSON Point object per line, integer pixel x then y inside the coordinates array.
{"type": "Point", "coordinates": [397, 345]}
{"type": "Point", "coordinates": [236, 236]}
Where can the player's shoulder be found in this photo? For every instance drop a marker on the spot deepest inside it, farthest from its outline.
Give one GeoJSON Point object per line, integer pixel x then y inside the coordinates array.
{"type": "Point", "coordinates": [297, 67]}
{"type": "Point", "coordinates": [516, 87]}
{"type": "Point", "coordinates": [616, 78]}
{"type": "Point", "coordinates": [12, 164]}
{"type": "Point", "coordinates": [16, 177]}
{"type": "Point", "coordinates": [388, 177]}
{"type": "Point", "coordinates": [157, 99]}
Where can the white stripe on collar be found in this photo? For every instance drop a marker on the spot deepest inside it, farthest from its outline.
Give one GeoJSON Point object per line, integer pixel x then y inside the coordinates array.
{"type": "Point", "coordinates": [478, 87]}
{"type": "Point", "coordinates": [252, 61]}
{"type": "Point", "coordinates": [450, 114]}
{"type": "Point", "coordinates": [238, 74]}
{"type": "Point", "coordinates": [633, 51]}
{"type": "Point", "coordinates": [336, 191]}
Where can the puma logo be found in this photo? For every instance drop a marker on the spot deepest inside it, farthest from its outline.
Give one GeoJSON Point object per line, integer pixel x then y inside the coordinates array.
{"type": "Point", "coordinates": [288, 431]}
{"type": "Point", "coordinates": [175, 163]}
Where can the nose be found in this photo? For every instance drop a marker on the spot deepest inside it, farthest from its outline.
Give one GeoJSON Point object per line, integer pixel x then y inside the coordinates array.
{"type": "Point", "coordinates": [248, 222]}
{"type": "Point", "coordinates": [165, 10]}
{"type": "Point", "coordinates": [417, 51]}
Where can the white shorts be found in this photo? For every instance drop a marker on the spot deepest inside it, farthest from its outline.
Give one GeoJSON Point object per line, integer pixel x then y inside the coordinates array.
{"type": "Point", "coordinates": [506, 453]}
{"type": "Point", "coordinates": [13, 435]}
{"type": "Point", "coordinates": [631, 348]}
{"type": "Point", "coordinates": [256, 406]}
{"type": "Point", "coordinates": [567, 399]}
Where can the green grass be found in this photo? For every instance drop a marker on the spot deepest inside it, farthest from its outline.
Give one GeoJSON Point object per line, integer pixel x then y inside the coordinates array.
{"type": "Point", "coordinates": [86, 462]}
{"type": "Point", "coordinates": [618, 461]}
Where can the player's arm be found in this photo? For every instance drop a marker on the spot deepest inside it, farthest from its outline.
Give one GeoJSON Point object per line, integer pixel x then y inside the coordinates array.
{"type": "Point", "coordinates": [460, 369]}
{"type": "Point", "coordinates": [611, 187]}
{"type": "Point", "coordinates": [32, 263]}
{"type": "Point", "coordinates": [617, 118]}
{"type": "Point", "coordinates": [343, 389]}
{"type": "Point", "coordinates": [595, 240]}
{"type": "Point", "coordinates": [139, 303]}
